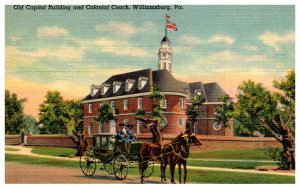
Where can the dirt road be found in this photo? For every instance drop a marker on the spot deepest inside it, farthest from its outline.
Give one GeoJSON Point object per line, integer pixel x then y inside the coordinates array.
{"type": "Point", "coordinates": [32, 174]}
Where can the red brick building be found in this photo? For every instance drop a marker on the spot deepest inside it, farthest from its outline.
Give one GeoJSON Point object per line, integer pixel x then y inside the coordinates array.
{"type": "Point", "coordinates": [128, 92]}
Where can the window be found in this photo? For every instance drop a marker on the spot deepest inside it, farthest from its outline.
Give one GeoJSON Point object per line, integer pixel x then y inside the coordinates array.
{"type": "Point", "coordinates": [116, 86]}
{"type": "Point", "coordinates": [142, 81]}
{"type": "Point", "coordinates": [164, 122]}
{"type": "Point", "coordinates": [112, 126]}
{"type": "Point", "coordinates": [215, 110]}
{"type": "Point", "coordinates": [164, 103]}
{"type": "Point", "coordinates": [90, 128]}
{"type": "Point", "coordinates": [181, 103]}
{"type": "Point", "coordinates": [139, 127]}
{"type": "Point", "coordinates": [125, 104]}
{"type": "Point", "coordinates": [100, 104]}
{"type": "Point", "coordinates": [101, 127]}
{"type": "Point", "coordinates": [128, 84]}
{"type": "Point", "coordinates": [90, 108]}
{"type": "Point", "coordinates": [217, 126]}
{"type": "Point", "coordinates": [126, 121]}
{"type": "Point", "coordinates": [113, 104]}
{"type": "Point", "coordinates": [164, 54]}
{"type": "Point", "coordinates": [140, 103]}
{"type": "Point", "coordinates": [104, 88]}
{"type": "Point", "coordinates": [164, 65]}
{"type": "Point", "coordinates": [180, 122]}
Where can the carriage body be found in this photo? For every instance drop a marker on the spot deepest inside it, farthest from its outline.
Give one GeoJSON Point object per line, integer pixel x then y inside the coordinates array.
{"type": "Point", "coordinates": [110, 151]}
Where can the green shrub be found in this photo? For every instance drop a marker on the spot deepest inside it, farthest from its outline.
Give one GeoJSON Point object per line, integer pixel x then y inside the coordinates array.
{"type": "Point", "coordinates": [278, 156]}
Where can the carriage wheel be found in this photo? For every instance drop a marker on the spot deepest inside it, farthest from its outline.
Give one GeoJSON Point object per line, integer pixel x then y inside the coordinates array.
{"type": "Point", "coordinates": [120, 167]}
{"type": "Point", "coordinates": [88, 163]}
{"type": "Point", "coordinates": [149, 171]}
{"type": "Point", "coordinates": [108, 167]}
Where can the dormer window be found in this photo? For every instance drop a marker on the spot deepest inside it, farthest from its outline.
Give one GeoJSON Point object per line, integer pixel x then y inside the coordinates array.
{"type": "Point", "coordinates": [142, 82]}
{"type": "Point", "coordinates": [104, 88]}
{"type": "Point", "coordinates": [116, 86]}
{"type": "Point", "coordinates": [128, 84]}
{"type": "Point", "coordinates": [94, 89]}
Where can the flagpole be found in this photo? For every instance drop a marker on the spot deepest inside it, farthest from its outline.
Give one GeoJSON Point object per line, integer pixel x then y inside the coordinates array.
{"type": "Point", "coordinates": [166, 27]}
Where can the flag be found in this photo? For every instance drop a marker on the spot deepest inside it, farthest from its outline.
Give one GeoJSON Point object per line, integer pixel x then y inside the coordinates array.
{"type": "Point", "coordinates": [171, 25]}
{"type": "Point", "coordinates": [167, 16]}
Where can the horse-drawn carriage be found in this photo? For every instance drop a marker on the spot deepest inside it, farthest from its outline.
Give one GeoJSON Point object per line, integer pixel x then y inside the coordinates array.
{"type": "Point", "coordinates": [114, 157]}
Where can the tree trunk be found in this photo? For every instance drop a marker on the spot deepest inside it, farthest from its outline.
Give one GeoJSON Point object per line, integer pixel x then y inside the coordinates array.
{"type": "Point", "coordinates": [81, 143]}
{"type": "Point", "coordinates": [289, 151]}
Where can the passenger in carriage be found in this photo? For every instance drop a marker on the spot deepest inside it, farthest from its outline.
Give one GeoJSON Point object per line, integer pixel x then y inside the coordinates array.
{"type": "Point", "coordinates": [126, 135]}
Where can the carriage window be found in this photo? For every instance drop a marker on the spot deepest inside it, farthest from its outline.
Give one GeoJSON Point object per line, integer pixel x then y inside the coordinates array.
{"type": "Point", "coordinates": [97, 143]}
{"type": "Point", "coordinates": [111, 142]}
{"type": "Point", "coordinates": [103, 142]}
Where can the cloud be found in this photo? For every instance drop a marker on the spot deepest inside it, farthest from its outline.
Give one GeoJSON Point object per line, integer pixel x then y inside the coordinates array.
{"type": "Point", "coordinates": [53, 31]}
{"type": "Point", "coordinates": [61, 53]}
{"type": "Point", "coordinates": [14, 57]}
{"type": "Point", "coordinates": [275, 40]}
{"type": "Point", "coordinates": [231, 57]}
{"type": "Point", "coordinates": [226, 39]}
{"type": "Point", "coordinates": [120, 48]}
{"type": "Point", "coordinates": [118, 28]}
{"type": "Point", "coordinates": [189, 40]}
{"type": "Point", "coordinates": [251, 48]}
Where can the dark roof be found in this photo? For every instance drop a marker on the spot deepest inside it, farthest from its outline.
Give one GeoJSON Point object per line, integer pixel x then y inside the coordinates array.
{"type": "Point", "coordinates": [165, 39]}
{"type": "Point", "coordinates": [167, 83]}
{"type": "Point", "coordinates": [164, 80]}
{"type": "Point", "coordinates": [213, 92]}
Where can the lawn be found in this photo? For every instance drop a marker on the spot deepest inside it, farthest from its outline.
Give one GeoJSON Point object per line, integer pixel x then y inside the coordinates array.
{"type": "Point", "coordinates": [249, 154]}
{"type": "Point", "coordinates": [12, 149]}
{"type": "Point", "coordinates": [53, 151]}
{"type": "Point", "coordinates": [194, 176]}
{"type": "Point", "coordinates": [228, 164]}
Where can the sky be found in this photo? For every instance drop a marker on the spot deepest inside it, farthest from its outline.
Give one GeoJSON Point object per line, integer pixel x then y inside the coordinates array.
{"type": "Point", "coordinates": [68, 51]}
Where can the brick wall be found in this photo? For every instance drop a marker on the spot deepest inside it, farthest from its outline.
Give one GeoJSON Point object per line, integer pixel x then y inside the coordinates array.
{"type": "Point", "coordinates": [208, 142]}
{"type": "Point", "coordinates": [13, 139]}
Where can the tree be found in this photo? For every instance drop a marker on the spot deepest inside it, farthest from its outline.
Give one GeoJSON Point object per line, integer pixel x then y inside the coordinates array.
{"type": "Point", "coordinates": [106, 113]}
{"type": "Point", "coordinates": [156, 117]}
{"type": "Point", "coordinates": [14, 116]}
{"type": "Point", "coordinates": [31, 125]}
{"type": "Point", "coordinates": [194, 110]}
{"type": "Point", "coordinates": [50, 114]}
{"type": "Point", "coordinates": [273, 112]}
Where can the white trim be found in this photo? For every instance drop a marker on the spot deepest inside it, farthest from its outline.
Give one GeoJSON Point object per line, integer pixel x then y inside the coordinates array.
{"type": "Point", "coordinates": [124, 114]}
{"type": "Point", "coordinates": [134, 95]}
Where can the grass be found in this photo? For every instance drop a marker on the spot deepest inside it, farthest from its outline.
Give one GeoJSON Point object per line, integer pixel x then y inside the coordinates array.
{"type": "Point", "coordinates": [228, 164]}
{"type": "Point", "coordinates": [194, 176]}
{"type": "Point", "coordinates": [12, 149]}
{"type": "Point", "coordinates": [249, 154]}
{"type": "Point", "coordinates": [54, 151]}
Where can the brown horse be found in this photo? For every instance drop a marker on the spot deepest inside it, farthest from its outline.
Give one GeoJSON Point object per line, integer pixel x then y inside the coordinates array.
{"type": "Point", "coordinates": [168, 154]}
{"type": "Point", "coordinates": [155, 129]}
{"type": "Point", "coordinates": [192, 139]}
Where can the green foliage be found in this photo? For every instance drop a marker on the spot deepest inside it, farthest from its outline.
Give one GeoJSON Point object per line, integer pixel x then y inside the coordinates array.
{"type": "Point", "coordinates": [14, 116]}
{"type": "Point", "coordinates": [224, 111]}
{"type": "Point", "coordinates": [31, 125]}
{"type": "Point", "coordinates": [229, 164]}
{"type": "Point", "coordinates": [140, 113]}
{"type": "Point", "coordinates": [106, 113]}
{"type": "Point", "coordinates": [59, 116]}
{"type": "Point", "coordinates": [157, 97]}
{"type": "Point", "coordinates": [193, 111]}
{"type": "Point", "coordinates": [278, 156]}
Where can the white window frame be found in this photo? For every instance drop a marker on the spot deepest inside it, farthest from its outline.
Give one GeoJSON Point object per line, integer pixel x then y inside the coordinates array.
{"type": "Point", "coordinates": [139, 126]}
{"type": "Point", "coordinates": [90, 108]}
{"type": "Point", "coordinates": [180, 119]}
{"type": "Point", "coordinates": [126, 121]}
{"type": "Point", "coordinates": [90, 128]}
{"type": "Point", "coordinates": [140, 103]}
{"type": "Point", "coordinates": [180, 103]}
{"type": "Point", "coordinates": [113, 104]}
{"type": "Point", "coordinates": [126, 104]}
{"type": "Point", "coordinates": [217, 126]}
{"type": "Point", "coordinates": [101, 127]}
{"type": "Point", "coordinates": [164, 103]}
